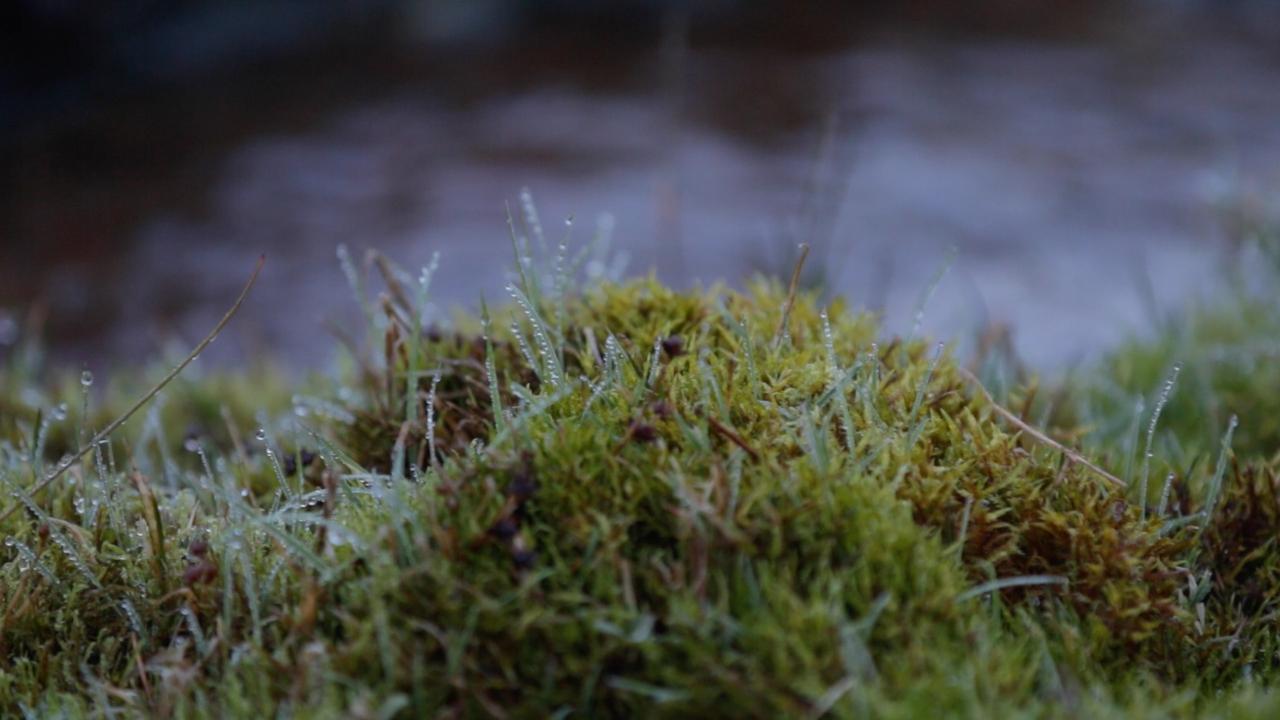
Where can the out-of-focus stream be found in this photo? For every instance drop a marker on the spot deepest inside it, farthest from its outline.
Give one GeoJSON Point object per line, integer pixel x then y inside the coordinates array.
{"type": "Point", "coordinates": [1069, 177]}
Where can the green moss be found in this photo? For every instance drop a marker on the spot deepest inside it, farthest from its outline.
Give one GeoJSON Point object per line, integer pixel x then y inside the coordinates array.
{"type": "Point", "coordinates": [628, 501]}
{"type": "Point", "coordinates": [1229, 366]}
{"type": "Point", "coordinates": [1227, 351]}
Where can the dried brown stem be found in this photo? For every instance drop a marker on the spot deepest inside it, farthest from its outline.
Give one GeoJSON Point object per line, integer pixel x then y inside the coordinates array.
{"type": "Point", "coordinates": [791, 294]}
{"type": "Point", "coordinates": [733, 437]}
{"type": "Point", "coordinates": [1022, 425]}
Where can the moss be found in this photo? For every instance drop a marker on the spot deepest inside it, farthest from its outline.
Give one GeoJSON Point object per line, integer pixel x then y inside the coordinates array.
{"type": "Point", "coordinates": [630, 501]}
{"type": "Point", "coordinates": [1228, 355]}
{"type": "Point", "coordinates": [1226, 350]}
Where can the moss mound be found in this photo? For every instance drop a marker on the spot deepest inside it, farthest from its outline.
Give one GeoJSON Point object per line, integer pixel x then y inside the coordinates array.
{"type": "Point", "coordinates": [624, 502]}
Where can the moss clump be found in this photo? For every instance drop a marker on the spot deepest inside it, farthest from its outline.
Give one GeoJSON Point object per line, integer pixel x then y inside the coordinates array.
{"type": "Point", "coordinates": [633, 501]}
{"type": "Point", "coordinates": [1227, 353]}
{"type": "Point", "coordinates": [1230, 364]}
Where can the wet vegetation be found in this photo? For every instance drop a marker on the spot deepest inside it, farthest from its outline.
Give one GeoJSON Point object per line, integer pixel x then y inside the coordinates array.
{"type": "Point", "coordinates": [613, 499]}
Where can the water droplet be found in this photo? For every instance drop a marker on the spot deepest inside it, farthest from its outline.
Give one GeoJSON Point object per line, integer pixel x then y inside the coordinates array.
{"type": "Point", "coordinates": [262, 434]}
{"type": "Point", "coordinates": [9, 542]}
{"type": "Point", "coordinates": [191, 445]}
{"type": "Point", "coordinates": [59, 412]}
{"type": "Point", "coordinates": [86, 378]}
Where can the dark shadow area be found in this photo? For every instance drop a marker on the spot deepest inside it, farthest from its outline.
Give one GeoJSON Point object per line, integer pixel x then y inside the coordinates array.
{"type": "Point", "coordinates": [153, 150]}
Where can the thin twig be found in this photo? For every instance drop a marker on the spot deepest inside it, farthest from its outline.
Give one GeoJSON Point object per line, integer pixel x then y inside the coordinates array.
{"type": "Point", "coordinates": [733, 437]}
{"type": "Point", "coordinates": [1072, 455]}
{"type": "Point", "coordinates": [388, 273]}
{"type": "Point", "coordinates": [115, 424]}
{"type": "Point", "coordinates": [791, 294]}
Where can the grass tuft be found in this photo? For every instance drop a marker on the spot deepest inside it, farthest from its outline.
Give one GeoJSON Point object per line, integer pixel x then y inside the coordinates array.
{"type": "Point", "coordinates": [621, 500]}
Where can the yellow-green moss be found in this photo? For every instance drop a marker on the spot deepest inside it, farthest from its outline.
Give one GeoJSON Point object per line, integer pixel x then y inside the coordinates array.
{"type": "Point", "coordinates": [754, 518]}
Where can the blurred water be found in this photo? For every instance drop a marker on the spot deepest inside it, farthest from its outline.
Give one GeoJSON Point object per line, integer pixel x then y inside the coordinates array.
{"type": "Point", "coordinates": [1069, 177]}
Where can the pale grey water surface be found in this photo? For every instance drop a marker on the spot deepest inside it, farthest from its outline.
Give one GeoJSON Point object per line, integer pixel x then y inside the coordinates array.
{"type": "Point", "coordinates": [1068, 176]}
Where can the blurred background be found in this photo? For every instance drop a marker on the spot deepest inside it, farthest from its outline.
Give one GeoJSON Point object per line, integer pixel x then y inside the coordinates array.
{"type": "Point", "coordinates": [1092, 163]}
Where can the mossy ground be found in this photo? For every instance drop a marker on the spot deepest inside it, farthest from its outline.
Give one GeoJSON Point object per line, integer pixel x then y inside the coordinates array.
{"type": "Point", "coordinates": [630, 501]}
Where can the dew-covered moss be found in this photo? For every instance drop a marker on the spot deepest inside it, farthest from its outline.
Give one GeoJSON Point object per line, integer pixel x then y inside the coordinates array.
{"type": "Point", "coordinates": [623, 501]}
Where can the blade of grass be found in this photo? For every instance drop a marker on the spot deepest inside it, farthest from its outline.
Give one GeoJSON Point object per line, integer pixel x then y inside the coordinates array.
{"type": "Point", "coordinates": [1002, 583]}
{"type": "Point", "coordinates": [124, 417]}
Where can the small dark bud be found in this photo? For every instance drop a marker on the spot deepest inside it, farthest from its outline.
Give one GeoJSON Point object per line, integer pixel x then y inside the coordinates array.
{"type": "Point", "coordinates": [290, 464]}
{"type": "Point", "coordinates": [524, 559]}
{"type": "Point", "coordinates": [198, 548]}
{"type": "Point", "coordinates": [504, 529]}
{"type": "Point", "coordinates": [522, 486]}
{"type": "Point", "coordinates": [200, 572]}
{"type": "Point", "coordinates": [663, 409]}
{"type": "Point", "coordinates": [43, 531]}
{"type": "Point", "coordinates": [673, 346]}
{"type": "Point", "coordinates": [433, 333]}
{"type": "Point", "coordinates": [643, 432]}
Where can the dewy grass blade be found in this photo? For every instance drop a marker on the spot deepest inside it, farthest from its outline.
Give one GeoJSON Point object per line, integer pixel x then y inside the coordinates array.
{"type": "Point", "coordinates": [1215, 485]}
{"type": "Point", "coordinates": [1010, 582]}
{"type": "Point", "coordinates": [1161, 401]}
{"type": "Point", "coordinates": [111, 427]}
